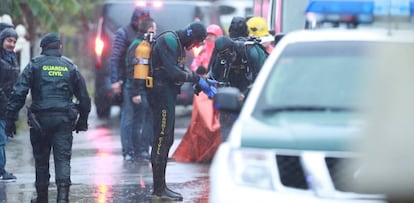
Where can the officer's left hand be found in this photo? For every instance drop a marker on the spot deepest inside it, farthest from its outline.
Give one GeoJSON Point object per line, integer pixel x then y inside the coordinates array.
{"type": "Point", "coordinates": [81, 125]}
{"type": "Point", "coordinates": [10, 128]}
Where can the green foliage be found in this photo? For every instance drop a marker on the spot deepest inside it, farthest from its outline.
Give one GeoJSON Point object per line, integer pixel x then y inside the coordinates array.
{"type": "Point", "coordinates": [49, 15]}
{"type": "Point", "coordinates": [43, 11]}
{"type": "Point", "coordinates": [72, 18]}
{"type": "Point", "coordinates": [10, 7]}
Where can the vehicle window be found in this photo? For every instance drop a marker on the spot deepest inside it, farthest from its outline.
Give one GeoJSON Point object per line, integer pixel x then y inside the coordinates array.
{"type": "Point", "coordinates": [117, 15]}
{"type": "Point", "coordinates": [226, 10]}
{"type": "Point", "coordinates": [248, 11]}
{"type": "Point", "coordinates": [326, 74]}
{"type": "Point", "coordinates": [167, 17]}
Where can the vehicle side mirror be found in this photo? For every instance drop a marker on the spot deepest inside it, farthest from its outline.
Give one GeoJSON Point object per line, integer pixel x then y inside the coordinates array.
{"type": "Point", "coordinates": [228, 99]}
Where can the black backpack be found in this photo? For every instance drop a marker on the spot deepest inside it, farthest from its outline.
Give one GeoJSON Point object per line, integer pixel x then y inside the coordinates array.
{"type": "Point", "coordinates": [245, 44]}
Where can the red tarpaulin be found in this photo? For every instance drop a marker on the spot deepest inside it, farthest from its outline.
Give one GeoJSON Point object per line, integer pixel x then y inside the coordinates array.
{"type": "Point", "coordinates": [203, 136]}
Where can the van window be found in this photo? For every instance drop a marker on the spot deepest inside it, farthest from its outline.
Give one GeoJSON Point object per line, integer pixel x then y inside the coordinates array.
{"type": "Point", "coordinates": [179, 16]}
{"type": "Point", "coordinates": [225, 10]}
{"type": "Point", "coordinates": [168, 17]}
{"type": "Point", "coordinates": [117, 15]}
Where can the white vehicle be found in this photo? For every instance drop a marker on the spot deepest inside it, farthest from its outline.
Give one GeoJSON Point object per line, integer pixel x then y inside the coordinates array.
{"type": "Point", "coordinates": [294, 135]}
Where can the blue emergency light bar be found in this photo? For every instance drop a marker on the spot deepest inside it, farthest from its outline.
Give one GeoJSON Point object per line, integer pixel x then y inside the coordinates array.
{"type": "Point", "coordinates": [345, 11]}
{"type": "Point", "coordinates": [341, 7]}
{"type": "Point", "coordinates": [412, 7]}
{"type": "Point", "coordinates": [356, 11]}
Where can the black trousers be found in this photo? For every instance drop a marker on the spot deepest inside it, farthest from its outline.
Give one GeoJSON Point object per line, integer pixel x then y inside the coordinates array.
{"type": "Point", "coordinates": [56, 134]}
{"type": "Point", "coordinates": [162, 101]}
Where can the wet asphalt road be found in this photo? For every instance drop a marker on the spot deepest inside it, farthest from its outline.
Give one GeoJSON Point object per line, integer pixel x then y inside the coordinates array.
{"type": "Point", "coordinates": [99, 174]}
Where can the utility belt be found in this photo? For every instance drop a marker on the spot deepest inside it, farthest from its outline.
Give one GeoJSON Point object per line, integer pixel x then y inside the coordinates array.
{"type": "Point", "coordinates": [72, 113]}
{"type": "Point", "coordinates": [51, 113]}
{"type": "Point", "coordinates": [32, 115]}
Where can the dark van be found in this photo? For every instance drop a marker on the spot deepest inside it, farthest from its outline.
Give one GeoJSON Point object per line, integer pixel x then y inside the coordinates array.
{"type": "Point", "coordinates": [169, 15]}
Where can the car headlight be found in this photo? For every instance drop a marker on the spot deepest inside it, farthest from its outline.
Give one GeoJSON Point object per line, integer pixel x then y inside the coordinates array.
{"type": "Point", "coordinates": [251, 168]}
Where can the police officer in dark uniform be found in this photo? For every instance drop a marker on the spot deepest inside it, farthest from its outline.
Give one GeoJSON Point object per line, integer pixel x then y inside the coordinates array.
{"type": "Point", "coordinates": [235, 64]}
{"type": "Point", "coordinates": [169, 73]}
{"type": "Point", "coordinates": [53, 80]}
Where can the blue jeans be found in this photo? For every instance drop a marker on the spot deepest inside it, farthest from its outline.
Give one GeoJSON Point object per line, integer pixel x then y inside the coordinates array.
{"type": "Point", "coordinates": [136, 124]}
{"type": "Point", "coordinates": [3, 142]}
{"type": "Point", "coordinates": [143, 128]}
{"type": "Point", "coordinates": [127, 122]}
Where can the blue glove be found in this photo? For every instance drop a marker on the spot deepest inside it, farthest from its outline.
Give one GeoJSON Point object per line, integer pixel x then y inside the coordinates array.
{"type": "Point", "coordinates": [212, 91]}
{"type": "Point", "coordinates": [207, 86]}
{"type": "Point", "coordinates": [212, 82]}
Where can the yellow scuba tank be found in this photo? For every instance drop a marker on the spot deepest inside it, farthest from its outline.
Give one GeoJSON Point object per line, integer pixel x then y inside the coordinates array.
{"type": "Point", "coordinates": [142, 65]}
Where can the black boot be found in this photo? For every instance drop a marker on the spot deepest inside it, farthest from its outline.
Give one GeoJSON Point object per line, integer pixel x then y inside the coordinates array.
{"type": "Point", "coordinates": [176, 193]}
{"type": "Point", "coordinates": [161, 191]}
{"type": "Point", "coordinates": [167, 194]}
{"type": "Point", "coordinates": [42, 194]}
{"type": "Point", "coordinates": [63, 193]}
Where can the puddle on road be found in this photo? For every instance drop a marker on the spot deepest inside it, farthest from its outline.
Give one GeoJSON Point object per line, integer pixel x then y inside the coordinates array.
{"type": "Point", "coordinates": [195, 192]}
{"type": "Point", "coordinates": [110, 193]}
{"type": "Point", "coordinates": [99, 175]}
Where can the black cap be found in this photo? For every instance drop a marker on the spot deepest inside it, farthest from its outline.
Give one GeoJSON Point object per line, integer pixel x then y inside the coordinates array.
{"type": "Point", "coordinates": [196, 31]}
{"type": "Point", "coordinates": [7, 32]}
{"type": "Point", "coordinates": [49, 38]}
{"type": "Point", "coordinates": [139, 12]}
{"type": "Point", "coordinates": [4, 25]}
